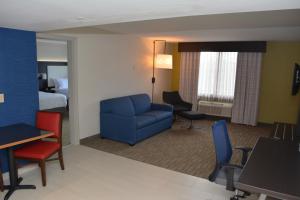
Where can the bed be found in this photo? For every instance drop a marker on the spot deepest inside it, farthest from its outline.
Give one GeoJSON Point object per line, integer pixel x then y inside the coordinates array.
{"type": "Point", "coordinates": [61, 86]}
{"type": "Point", "coordinates": [52, 100]}
{"type": "Point", "coordinates": [63, 91]}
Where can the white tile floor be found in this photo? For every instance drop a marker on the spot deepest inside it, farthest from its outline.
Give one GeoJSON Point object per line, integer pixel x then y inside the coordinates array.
{"type": "Point", "coordinates": [92, 174]}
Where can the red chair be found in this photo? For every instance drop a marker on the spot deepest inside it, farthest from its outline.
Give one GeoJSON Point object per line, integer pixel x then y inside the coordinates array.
{"type": "Point", "coordinates": [40, 151]}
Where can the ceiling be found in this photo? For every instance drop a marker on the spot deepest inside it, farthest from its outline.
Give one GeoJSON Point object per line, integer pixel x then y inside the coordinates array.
{"type": "Point", "coordinates": [174, 20]}
{"type": "Point", "coordinates": [44, 15]}
{"type": "Point", "coordinates": [204, 22]}
{"type": "Point", "coordinates": [262, 25]}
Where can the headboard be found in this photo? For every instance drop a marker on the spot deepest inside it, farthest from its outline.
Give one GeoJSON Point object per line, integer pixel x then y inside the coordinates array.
{"type": "Point", "coordinates": [52, 70]}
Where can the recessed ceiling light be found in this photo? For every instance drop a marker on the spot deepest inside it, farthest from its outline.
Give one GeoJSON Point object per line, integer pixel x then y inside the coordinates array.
{"type": "Point", "coordinates": [81, 19]}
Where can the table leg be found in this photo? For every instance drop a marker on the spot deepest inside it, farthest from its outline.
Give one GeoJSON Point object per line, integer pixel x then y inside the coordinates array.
{"type": "Point", "coordinates": [191, 126]}
{"type": "Point", "coordinates": [13, 176]}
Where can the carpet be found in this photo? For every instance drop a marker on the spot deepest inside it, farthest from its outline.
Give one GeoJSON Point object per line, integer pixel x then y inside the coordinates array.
{"type": "Point", "coordinates": [189, 151]}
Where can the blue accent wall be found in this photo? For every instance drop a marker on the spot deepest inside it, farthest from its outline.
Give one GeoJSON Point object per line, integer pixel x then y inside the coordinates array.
{"type": "Point", "coordinates": [18, 79]}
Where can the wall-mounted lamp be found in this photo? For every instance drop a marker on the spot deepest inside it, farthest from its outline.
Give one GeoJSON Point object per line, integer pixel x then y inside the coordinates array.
{"type": "Point", "coordinates": [42, 76]}
{"type": "Point", "coordinates": [163, 61]}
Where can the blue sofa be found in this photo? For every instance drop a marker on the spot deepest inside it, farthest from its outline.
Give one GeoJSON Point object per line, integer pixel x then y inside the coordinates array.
{"type": "Point", "coordinates": [133, 118]}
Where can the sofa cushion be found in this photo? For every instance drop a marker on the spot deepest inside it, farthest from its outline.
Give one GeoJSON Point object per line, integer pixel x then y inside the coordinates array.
{"type": "Point", "coordinates": [144, 120]}
{"type": "Point", "coordinates": [141, 103]}
{"type": "Point", "coordinates": [158, 114]}
{"type": "Point", "coordinates": [119, 106]}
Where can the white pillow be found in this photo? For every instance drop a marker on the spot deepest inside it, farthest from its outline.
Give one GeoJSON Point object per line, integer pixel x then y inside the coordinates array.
{"type": "Point", "coordinates": [61, 83]}
{"type": "Point", "coordinates": [54, 81]}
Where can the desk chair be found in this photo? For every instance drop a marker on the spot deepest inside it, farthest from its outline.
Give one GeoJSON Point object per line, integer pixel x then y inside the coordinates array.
{"type": "Point", "coordinates": [225, 173]}
{"type": "Point", "coordinates": [41, 150]}
{"type": "Point", "coordinates": [173, 98]}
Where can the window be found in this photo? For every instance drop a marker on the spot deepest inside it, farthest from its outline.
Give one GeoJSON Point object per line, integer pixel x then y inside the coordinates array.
{"type": "Point", "coordinates": [217, 76]}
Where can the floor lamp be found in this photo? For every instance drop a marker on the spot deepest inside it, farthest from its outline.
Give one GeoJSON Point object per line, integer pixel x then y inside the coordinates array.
{"type": "Point", "coordinates": [161, 60]}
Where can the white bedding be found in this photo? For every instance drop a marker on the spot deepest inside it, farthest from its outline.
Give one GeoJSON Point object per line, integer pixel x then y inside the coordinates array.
{"type": "Point", "coordinates": [63, 91]}
{"type": "Point", "coordinates": [51, 100]}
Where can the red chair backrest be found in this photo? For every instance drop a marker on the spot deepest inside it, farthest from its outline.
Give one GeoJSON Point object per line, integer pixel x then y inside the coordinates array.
{"type": "Point", "coordinates": [50, 121]}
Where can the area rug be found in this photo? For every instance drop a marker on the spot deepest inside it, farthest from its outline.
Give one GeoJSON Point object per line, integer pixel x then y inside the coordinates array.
{"type": "Point", "coordinates": [189, 151]}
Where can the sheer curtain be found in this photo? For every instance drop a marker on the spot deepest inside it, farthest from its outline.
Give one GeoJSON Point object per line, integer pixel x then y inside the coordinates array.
{"type": "Point", "coordinates": [188, 82]}
{"type": "Point", "coordinates": [245, 105]}
{"type": "Point", "coordinates": [217, 76]}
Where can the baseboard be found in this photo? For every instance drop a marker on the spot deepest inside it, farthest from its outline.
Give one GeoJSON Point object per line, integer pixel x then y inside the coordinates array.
{"type": "Point", "coordinates": [99, 134]}
{"type": "Point", "coordinates": [263, 124]}
{"type": "Point", "coordinates": [212, 118]}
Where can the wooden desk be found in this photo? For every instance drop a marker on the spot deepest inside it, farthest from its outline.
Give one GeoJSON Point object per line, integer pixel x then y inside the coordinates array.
{"type": "Point", "coordinates": [11, 136]}
{"type": "Point", "coordinates": [273, 169]}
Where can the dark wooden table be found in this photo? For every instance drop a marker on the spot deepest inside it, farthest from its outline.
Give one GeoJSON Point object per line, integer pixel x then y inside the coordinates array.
{"type": "Point", "coordinates": [11, 136]}
{"type": "Point", "coordinates": [273, 169]}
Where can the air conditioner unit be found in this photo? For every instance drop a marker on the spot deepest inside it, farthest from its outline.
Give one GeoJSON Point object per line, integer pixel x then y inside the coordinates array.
{"type": "Point", "coordinates": [215, 108]}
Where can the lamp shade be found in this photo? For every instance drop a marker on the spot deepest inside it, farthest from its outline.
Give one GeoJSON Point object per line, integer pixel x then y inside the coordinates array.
{"type": "Point", "coordinates": [164, 61]}
{"type": "Point", "coordinates": [44, 76]}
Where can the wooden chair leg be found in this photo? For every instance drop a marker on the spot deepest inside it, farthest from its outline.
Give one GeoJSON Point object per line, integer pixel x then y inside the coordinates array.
{"type": "Point", "coordinates": [42, 165]}
{"type": "Point", "coordinates": [61, 160]}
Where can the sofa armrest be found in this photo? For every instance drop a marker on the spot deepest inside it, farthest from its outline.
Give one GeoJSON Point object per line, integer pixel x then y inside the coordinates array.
{"type": "Point", "coordinates": [163, 107]}
{"type": "Point", "coordinates": [118, 127]}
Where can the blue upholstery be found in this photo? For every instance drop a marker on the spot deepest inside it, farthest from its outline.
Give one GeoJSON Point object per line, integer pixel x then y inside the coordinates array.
{"type": "Point", "coordinates": [133, 118]}
{"type": "Point", "coordinates": [158, 114]}
{"type": "Point", "coordinates": [118, 127]}
{"type": "Point", "coordinates": [150, 130]}
{"type": "Point", "coordinates": [141, 103]}
{"type": "Point", "coordinates": [144, 120]}
{"type": "Point", "coordinates": [161, 107]}
{"type": "Point", "coordinates": [222, 142]}
{"type": "Point", "coordinates": [119, 106]}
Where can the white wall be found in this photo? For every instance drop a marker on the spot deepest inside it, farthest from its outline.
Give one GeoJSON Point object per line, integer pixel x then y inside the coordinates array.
{"type": "Point", "coordinates": [51, 50]}
{"type": "Point", "coordinates": [112, 66]}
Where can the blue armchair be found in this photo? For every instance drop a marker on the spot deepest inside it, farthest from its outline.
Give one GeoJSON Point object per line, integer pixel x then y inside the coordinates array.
{"type": "Point", "coordinates": [133, 118]}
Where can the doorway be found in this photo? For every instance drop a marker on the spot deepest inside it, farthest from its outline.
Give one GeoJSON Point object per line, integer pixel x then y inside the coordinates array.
{"type": "Point", "coordinates": [53, 80]}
